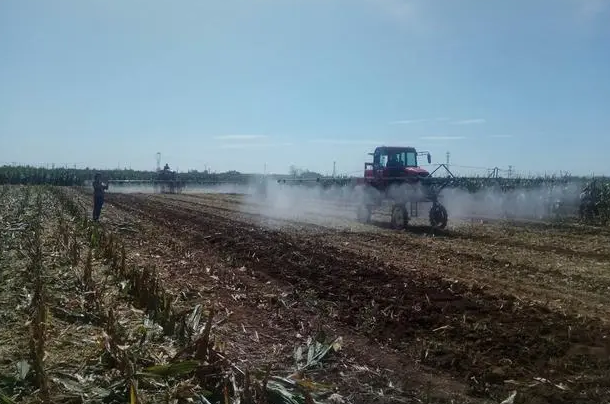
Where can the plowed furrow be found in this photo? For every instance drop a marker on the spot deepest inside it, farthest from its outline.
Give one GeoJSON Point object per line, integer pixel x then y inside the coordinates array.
{"type": "Point", "coordinates": [466, 331]}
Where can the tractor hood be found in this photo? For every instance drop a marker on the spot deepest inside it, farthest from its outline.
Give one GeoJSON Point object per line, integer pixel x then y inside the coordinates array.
{"type": "Point", "coordinates": [416, 171]}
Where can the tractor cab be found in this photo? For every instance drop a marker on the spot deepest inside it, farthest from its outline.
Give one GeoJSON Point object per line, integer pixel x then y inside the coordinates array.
{"type": "Point", "coordinates": [166, 174]}
{"type": "Point", "coordinates": [167, 181]}
{"type": "Point", "coordinates": [397, 163]}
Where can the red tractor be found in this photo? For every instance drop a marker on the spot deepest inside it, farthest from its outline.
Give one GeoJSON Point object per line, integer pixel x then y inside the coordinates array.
{"type": "Point", "coordinates": [395, 175]}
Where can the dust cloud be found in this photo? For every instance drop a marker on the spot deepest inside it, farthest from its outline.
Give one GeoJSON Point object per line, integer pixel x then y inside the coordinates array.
{"type": "Point", "coordinates": [540, 203]}
{"type": "Point", "coordinates": [130, 189]}
{"type": "Point", "coordinates": [333, 206]}
{"type": "Point", "coordinates": [336, 206]}
{"type": "Point", "coordinates": [188, 189]}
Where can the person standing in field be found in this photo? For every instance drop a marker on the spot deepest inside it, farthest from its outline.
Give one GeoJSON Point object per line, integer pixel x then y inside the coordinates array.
{"type": "Point", "coordinates": [98, 195]}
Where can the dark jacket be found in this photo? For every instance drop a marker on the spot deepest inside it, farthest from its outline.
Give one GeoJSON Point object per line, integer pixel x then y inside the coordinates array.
{"type": "Point", "coordinates": [98, 189]}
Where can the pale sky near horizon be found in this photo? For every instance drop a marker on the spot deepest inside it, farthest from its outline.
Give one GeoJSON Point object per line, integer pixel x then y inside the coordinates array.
{"type": "Point", "coordinates": [235, 84]}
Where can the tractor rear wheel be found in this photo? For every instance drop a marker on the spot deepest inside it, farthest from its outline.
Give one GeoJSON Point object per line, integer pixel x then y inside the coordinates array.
{"type": "Point", "coordinates": [400, 217]}
{"type": "Point", "coordinates": [438, 216]}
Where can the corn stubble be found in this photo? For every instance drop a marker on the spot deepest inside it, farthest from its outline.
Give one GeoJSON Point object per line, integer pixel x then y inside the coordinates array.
{"type": "Point", "coordinates": [199, 362]}
{"type": "Point", "coordinates": [38, 304]}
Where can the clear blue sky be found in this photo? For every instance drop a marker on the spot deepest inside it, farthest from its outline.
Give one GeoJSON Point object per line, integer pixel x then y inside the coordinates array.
{"type": "Point", "coordinates": [235, 84]}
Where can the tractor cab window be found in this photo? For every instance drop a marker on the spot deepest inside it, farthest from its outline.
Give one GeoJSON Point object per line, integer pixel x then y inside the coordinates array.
{"type": "Point", "coordinates": [394, 160]}
{"type": "Point", "coordinates": [410, 159]}
{"type": "Point", "coordinates": [391, 160]}
{"type": "Point", "coordinates": [398, 159]}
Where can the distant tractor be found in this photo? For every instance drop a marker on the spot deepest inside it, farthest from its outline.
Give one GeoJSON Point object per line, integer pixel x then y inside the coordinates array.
{"type": "Point", "coordinates": [167, 182]}
{"type": "Point", "coordinates": [395, 175]}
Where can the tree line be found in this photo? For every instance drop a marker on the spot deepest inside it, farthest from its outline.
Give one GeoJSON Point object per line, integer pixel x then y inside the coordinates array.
{"type": "Point", "coordinates": [29, 175]}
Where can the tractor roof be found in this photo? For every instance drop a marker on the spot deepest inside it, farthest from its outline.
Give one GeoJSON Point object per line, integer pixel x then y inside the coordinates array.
{"type": "Point", "coordinates": [395, 148]}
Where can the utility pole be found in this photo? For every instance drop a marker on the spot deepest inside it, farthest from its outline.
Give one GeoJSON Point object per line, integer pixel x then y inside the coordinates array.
{"type": "Point", "coordinates": [448, 155]}
{"type": "Point", "coordinates": [334, 168]}
{"type": "Point", "coordinates": [510, 171]}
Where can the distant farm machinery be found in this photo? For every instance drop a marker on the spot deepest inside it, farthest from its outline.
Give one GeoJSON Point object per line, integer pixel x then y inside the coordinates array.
{"type": "Point", "coordinates": [395, 182]}
{"type": "Point", "coordinates": [394, 176]}
{"type": "Point", "coordinates": [167, 182]}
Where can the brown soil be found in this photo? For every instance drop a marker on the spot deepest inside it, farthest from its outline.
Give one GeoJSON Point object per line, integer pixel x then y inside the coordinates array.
{"type": "Point", "coordinates": [473, 312]}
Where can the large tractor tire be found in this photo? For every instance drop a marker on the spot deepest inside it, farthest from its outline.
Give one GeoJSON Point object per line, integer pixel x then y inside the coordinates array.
{"type": "Point", "coordinates": [438, 216]}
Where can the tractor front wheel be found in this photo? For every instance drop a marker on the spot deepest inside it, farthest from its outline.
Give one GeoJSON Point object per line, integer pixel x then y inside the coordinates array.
{"type": "Point", "coordinates": [438, 216]}
{"type": "Point", "coordinates": [400, 217]}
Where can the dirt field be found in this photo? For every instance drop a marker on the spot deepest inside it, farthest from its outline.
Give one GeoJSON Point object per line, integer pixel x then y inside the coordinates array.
{"type": "Point", "coordinates": [468, 314]}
